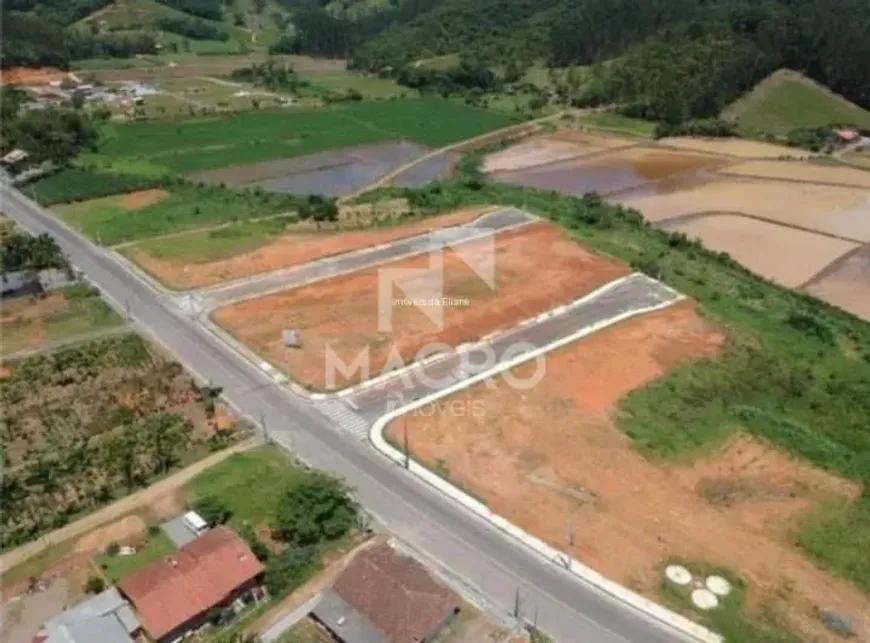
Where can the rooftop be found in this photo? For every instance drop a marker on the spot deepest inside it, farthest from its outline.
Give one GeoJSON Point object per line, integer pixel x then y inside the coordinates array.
{"type": "Point", "coordinates": [199, 576]}
{"type": "Point", "coordinates": [386, 597]}
{"type": "Point", "coordinates": [104, 618]}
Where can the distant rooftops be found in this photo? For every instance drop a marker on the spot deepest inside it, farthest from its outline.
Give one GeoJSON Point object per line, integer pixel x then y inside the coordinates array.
{"type": "Point", "coordinates": [104, 618]}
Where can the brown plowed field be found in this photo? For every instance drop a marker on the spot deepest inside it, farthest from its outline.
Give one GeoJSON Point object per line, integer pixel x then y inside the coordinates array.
{"type": "Point", "coordinates": [736, 147]}
{"type": "Point", "coordinates": [559, 146]}
{"type": "Point", "coordinates": [835, 210]}
{"type": "Point", "coordinates": [536, 268]}
{"type": "Point", "coordinates": [787, 256]}
{"type": "Point", "coordinates": [552, 461]}
{"type": "Point", "coordinates": [286, 251]}
{"type": "Point", "coordinates": [31, 76]}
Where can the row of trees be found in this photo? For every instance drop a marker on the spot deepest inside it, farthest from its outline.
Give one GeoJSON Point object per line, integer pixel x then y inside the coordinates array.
{"type": "Point", "coordinates": [271, 75]}
{"type": "Point", "coordinates": [22, 252]}
{"type": "Point", "coordinates": [196, 29]}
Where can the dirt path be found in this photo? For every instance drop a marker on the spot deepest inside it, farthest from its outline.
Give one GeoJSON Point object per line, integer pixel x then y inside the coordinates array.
{"type": "Point", "coordinates": [120, 508]}
{"type": "Point", "coordinates": [526, 127]}
{"type": "Point", "coordinates": [66, 341]}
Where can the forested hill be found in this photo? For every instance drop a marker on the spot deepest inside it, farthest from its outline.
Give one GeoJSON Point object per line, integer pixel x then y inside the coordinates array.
{"type": "Point", "coordinates": [726, 46]}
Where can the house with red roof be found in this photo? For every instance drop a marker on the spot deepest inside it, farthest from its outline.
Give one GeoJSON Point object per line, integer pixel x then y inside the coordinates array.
{"type": "Point", "coordinates": [175, 595]}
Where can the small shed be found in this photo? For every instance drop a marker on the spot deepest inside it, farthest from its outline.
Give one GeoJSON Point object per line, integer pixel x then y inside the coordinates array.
{"type": "Point", "coordinates": [290, 338]}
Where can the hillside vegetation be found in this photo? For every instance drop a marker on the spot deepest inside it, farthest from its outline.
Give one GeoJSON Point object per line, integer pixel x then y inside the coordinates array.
{"type": "Point", "coordinates": [787, 100]}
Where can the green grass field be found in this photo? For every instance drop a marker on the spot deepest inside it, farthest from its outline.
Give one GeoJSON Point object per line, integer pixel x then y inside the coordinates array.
{"type": "Point", "coordinates": [249, 137]}
{"type": "Point", "coordinates": [786, 100]}
{"type": "Point", "coordinates": [84, 312]}
{"type": "Point", "coordinates": [187, 206]}
{"type": "Point", "coordinates": [119, 567]}
{"type": "Point", "coordinates": [251, 483]}
{"type": "Point", "coordinates": [371, 87]}
{"type": "Point", "coordinates": [202, 246]}
{"type": "Point", "coordinates": [611, 122]}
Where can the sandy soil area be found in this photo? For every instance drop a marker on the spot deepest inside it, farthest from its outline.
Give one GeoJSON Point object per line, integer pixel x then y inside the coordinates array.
{"type": "Point", "coordinates": [142, 198]}
{"type": "Point", "coordinates": [34, 76]}
{"type": "Point", "coordinates": [797, 171]}
{"type": "Point", "coordinates": [22, 321]}
{"type": "Point", "coordinates": [116, 532]}
{"type": "Point", "coordinates": [840, 211]}
{"type": "Point", "coordinates": [787, 256]}
{"type": "Point", "coordinates": [551, 148]}
{"type": "Point", "coordinates": [735, 147]}
{"type": "Point", "coordinates": [286, 251]}
{"type": "Point", "coordinates": [848, 285]}
{"type": "Point", "coordinates": [536, 268]}
{"type": "Point", "coordinates": [552, 461]}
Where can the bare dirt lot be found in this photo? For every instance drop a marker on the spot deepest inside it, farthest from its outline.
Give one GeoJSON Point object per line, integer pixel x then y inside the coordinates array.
{"type": "Point", "coordinates": [787, 256]}
{"type": "Point", "coordinates": [844, 212]}
{"type": "Point", "coordinates": [797, 171]}
{"type": "Point", "coordinates": [286, 251]}
{"type": "Point", "coordinates": [32, 76]}
{"type": "Point", "coordinates": [847, 285]}
{"type": "Point", "coordinates": [735, 147]}
{"type": "Point", "coordinates": [552, 461]}
{"type": "Point", "coordinates": [536, 268]}
{"type": "Point", "coordinates": [550, 148]}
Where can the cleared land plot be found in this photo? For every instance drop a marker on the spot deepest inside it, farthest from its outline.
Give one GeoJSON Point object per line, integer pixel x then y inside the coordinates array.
{"type": "Point", "coordinates": [250, 137]}
{"type": "Point", "coordinates": [787, 256]}
{"type": "Point", "coordinates": [847, 285]}
{"type": "Point", "coordinates": [119, 219]}
{"type": "Point", "coordinates": [615, 171]}
{"type": "Point", "coordinates": [551, 148]}
{"type": "Point", "coordinates": [33, 322]}
{"type": "Point", "coordinates": [334, 173]}
{"type": "Point", "coordinates": [735, 147]}
{"type": "Point", "coordinates": [552, 461]}
{"type": "Point", "coordinates": [207, 258]}
{"type": "Point", "coordinates": [803, 172]}
{"type": "Point", "coordinates": [786, 100]}
{"type": "Point", "coordinates": [843, 212]}
{"type": "Point", "coordinates": [88, 423]}
{"type": "Point", "coordinates": [536, 269]}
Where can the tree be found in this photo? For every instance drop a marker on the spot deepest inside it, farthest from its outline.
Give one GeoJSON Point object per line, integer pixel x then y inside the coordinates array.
{"type": "Point", "coordinates": [213, 510]}
{"type": "Point", "coordinates": [165, 432]}
{"type": "Point", "coordinates": [290, 570]}
{"type": "Point", "coordinates": [318, 507]}
{"type": "Point", "coordinates": [95, 585]}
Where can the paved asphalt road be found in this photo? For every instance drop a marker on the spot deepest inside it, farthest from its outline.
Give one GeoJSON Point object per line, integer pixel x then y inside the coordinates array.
{"type": "Point", "coordinates": [500, 220]}
{"type": "Point", "coordinates": [497, 568]}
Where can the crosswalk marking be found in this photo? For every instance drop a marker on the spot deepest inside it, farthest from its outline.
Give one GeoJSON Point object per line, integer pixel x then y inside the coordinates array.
{"type": "Point", "coordinates": [345, 418]}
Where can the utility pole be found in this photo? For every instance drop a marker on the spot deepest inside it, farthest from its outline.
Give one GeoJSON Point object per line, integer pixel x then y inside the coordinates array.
{"type": "Point", "coordinates": [517, 603]}
{"type": "Point", "coordinates": [127, 311]}
{"type": "Point", "coordinates": [265, 428]}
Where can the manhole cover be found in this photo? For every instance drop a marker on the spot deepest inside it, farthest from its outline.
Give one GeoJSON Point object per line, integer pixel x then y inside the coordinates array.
{"type": "Point", "coordinates": [718, 585]}
{"type": "Point", "coordinates": [704, 599]}
{"type": "Point", "coordinates": [678, 574]}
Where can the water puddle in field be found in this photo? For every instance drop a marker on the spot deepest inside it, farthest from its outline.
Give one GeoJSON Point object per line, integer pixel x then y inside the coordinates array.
{"type": "Point", "coordinates": [639, 169]}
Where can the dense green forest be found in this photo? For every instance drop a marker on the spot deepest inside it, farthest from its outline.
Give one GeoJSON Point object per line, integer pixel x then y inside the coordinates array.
{"type": "Point", "coordinates": [667, 60]}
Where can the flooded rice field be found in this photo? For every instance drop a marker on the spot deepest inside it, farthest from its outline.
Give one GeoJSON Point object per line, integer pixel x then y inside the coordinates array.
{"type": "Point", "coordinates": [618, 171]}
{"type": "Point", "coordinates": [551, 148]}
{"type": "Point", "coordinates": [333, 173]}
{"type": "Point", "coordinates": [787, 256]}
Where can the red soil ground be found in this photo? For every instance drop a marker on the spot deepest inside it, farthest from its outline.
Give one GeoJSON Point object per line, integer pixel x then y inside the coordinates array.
{"type": "Point", "coordinates": [536, 268]}
{"type": "Point", "coordinates": [28, 76]}
{"type": "Point", "coordinates": [287, 251]}
{"type": "Point", "coordinates": [552, 461]}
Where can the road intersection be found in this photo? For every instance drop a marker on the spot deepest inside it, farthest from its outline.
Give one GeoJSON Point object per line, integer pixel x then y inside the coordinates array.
{"type": "Point", "coordinates": [509, 576]}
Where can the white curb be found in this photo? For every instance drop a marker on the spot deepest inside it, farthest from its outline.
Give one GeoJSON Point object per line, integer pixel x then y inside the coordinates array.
{"type": "Point", "coordinates": [587, 574]}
